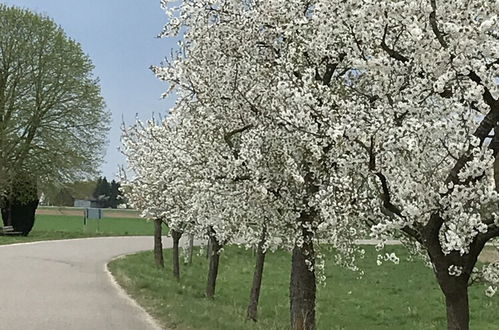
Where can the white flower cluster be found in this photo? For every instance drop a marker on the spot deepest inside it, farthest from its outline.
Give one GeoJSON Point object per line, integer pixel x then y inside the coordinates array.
{"type": "Point", "coordinates": [455, 270]}
{"type": "Point", "coordinates": [489, 273]}
{"type": "Point", "coordinates": [491, 291]}
{"type": "Point", "coordinates": [392, 257]}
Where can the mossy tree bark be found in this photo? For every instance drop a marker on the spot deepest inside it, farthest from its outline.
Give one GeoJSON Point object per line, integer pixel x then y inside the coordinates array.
{"type": "Point", "coordinates": [303, 282]}
{"type": "Point", "coordinates": [251, 313]}
{"type": "Point", "coordinates": [176, 235]}
{"type": "Point", "coordinates": [158, 244]}
{"type": "Point", "coordinates": [302, 288]}
{"type": "Point", "coordinates": [213, 269]}
{"type": "Point", "coordinates": [191, 249]}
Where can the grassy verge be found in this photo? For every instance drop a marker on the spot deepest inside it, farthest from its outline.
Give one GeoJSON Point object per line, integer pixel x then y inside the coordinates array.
{"type": "Point", "coordinates": [389, 296]}
{"type": "Point", "coordinates": [50, 227]}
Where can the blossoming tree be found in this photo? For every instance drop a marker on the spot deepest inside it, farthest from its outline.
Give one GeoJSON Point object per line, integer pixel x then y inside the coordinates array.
{"type": "Point", "coordinates": [151, 157]}
{"type": "Point", "coordinates": [265, 98]}
{"type": "Point", "coordinates": [179, 179]}
{"type": "Point", "coordinates": [420, 120]}
{"type": "Point", "coordinates": [384, 110]}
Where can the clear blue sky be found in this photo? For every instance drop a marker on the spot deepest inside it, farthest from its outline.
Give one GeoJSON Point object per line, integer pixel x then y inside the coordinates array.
{"type": "Point", "coordinates": [120, 38]}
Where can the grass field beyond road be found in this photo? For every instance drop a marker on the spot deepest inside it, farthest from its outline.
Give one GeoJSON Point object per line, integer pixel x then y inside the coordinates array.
{"type": "Point", "coordinates": [388, 297]}
{"type": "Point", "coordinates": [49, 227]}
{"type": "Point", "coordinates": [78, 211]}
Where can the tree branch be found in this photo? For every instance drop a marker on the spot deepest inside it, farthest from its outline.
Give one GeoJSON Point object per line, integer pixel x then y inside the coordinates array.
{"type": "Point", "coordinates": [388, 207]}
{"type": "Point", "coordinates": [330, 69]}
{"type": "Point", "coordinates": [434, 25]}
{"type": "Point", "coordinates": [391, 52]}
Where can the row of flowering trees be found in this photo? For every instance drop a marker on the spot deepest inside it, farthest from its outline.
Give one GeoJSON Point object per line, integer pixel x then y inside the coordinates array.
{"type": "Point", "coordinates": [324, 120]}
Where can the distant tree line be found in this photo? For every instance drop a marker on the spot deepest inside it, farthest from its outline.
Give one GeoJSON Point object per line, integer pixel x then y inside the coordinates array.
{"type": "Point", "coordinates": [108, 193]}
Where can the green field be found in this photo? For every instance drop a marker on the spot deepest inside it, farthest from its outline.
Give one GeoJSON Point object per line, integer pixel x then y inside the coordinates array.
{"type": "Point", "coordinates": [402, 297]}
{"type": "Point", "coordinates": [63, 210]}
{"type": "Point", "coordinates": [48, 227]}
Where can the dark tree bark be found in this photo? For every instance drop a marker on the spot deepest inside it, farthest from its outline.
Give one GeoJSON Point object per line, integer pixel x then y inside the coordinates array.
{"type": "Point", "coordinates": [456, 302]}
{"type": "Point", "coordinates": [257, 279]}
{"type": "Point", "coordinates": [208, 249]}
{"type": "Point", "coordinates": [213, 270]}
{"type": "Point", "coordinates": [176, 235]}
{"type": "Point", "coordinates": [191, 249]}
{"type": "Point", "coordinates": [302, 288]}
{"type": "Point", "coordinates": [455, 290]}
{"type": "Point", "coordinates": [158, 244]}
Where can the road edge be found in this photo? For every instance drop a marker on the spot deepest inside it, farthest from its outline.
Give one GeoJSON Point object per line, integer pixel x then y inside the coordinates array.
{"type": "Point", "coordinates": [124, 294]}
{"type": "Point", "coordinates": [75, 239]}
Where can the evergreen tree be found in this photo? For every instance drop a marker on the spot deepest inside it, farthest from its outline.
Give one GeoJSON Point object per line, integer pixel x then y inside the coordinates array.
{"type": "Point", "coordinates": [114, 195]}
{"type": "Point", "coordinates": [97, 190]}
{"type": "Point", "coordinates": [102, 192]}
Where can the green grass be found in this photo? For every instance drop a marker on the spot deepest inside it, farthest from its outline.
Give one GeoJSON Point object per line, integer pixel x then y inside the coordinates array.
{"type": "Point", "coordinates": [50, 227]}
{"type": "Point", "coordinates": [107, 226]}
{"type": "Point", "coordinates": [402, 297]}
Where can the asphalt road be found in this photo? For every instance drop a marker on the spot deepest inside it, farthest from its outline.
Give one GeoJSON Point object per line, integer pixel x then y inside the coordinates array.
{"type": "Point", "coordinates": [56, 285]}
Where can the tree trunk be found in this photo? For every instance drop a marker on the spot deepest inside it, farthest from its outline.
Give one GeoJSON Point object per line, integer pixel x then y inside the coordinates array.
{"type": "Point", "coordinates": [257, 280]}
{"type": "Point", "coordinates": [208, 249]}
{"type": "Point", "coordinates": [456, 302]}
{"type": "Point", "coordinates": [213, 270]}
{"type": "Point", "coordinates": [158, 245]}
{"type": "Point", "coordinates": [191, 249]}
{"type": "Point", "coordinates": [455, 290]}
{"type": "Point", "coordinates": [302, 288]}
{"type": "Point", "coordinates": [176, 235]}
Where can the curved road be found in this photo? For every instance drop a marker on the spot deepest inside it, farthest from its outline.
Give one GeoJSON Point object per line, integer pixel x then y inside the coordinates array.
{"type": "Point", "coordinates": [65, 285]}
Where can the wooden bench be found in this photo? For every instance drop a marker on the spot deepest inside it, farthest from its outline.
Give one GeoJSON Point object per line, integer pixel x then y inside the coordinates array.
{"type": "Point", "coordinates": [9, 231]}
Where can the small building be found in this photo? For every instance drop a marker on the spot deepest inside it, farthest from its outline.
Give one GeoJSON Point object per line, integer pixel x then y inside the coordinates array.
{"type": "Point", "coordinates": [87, 203]}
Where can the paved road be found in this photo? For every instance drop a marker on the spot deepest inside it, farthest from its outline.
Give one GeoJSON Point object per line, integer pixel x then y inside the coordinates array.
{"type": "Point", "coordinates": [65, 285]}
